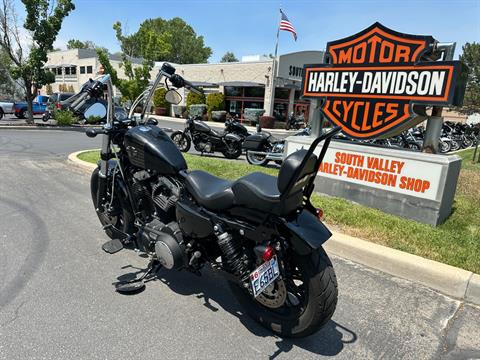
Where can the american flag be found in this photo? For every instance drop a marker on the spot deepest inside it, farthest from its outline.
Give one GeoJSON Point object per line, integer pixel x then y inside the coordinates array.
{"type": "Point", "coordinates": [286, 25]}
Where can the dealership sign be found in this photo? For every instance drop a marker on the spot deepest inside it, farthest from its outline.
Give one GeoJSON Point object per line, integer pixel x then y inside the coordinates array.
{"type": "Point", "coordinates": [372, 80]}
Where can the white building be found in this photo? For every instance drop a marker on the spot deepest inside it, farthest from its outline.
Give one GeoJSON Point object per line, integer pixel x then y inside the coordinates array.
{"type": "Point", "coordinates": [246, 84]}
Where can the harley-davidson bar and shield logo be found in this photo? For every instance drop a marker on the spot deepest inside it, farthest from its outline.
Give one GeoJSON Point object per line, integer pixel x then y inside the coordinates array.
{"type": "Point", "coordinates": [371, 81]}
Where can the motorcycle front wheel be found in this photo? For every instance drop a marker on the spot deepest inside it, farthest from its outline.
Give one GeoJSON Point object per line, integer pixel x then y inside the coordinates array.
{"type": "Point", "coordinates": [182, 140]}
{"type": "Point", "coordinates": [444, 147]}
{"type": "Point", "coordinates": [255, 159]}
{"type": "Point", "coordinates": [120, 217]}
{"type": "Point", "coordinates": [310, 297]}
{"type": "Point", "coordinates": [456, 145]}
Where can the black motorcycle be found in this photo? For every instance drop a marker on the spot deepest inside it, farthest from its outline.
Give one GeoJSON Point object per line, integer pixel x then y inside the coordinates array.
{"type": "Point", "coordinates": [262, 147]}
{"type": "Point", "coordinates": [295, 121]}
{"type": "Point", "coordinates": [207, 140]}
{"type": "Point", "coordinates": [260, 231]}
{"type": "Point", "coordinates": [234, 126]}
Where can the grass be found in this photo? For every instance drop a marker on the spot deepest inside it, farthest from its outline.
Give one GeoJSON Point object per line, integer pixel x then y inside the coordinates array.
{"type": "Point", "coordinates": [456, 242]}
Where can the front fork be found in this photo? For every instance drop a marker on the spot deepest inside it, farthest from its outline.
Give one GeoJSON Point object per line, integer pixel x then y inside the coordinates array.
{"type": "Point", "coordinates": [102, 175]}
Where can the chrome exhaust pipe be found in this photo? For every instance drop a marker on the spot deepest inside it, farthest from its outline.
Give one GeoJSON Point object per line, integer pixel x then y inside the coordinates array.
{"type": "Point", "coordinates": [269, 156]}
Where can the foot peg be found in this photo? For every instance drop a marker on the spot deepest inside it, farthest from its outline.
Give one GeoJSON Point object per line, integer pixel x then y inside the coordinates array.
{"type": "Point", "coordinates": [138, 284]}
{"type": "Point", "coordinates": [112, 246]}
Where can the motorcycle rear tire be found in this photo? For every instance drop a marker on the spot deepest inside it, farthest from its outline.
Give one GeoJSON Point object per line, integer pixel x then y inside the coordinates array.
{"type": "Point", "coordinates": [125, 219]}
{"type": "Point", "coordinates": [234, 151]}
{"type": "Point", "coordinates": [322, 294]}
{"type": "Point", "coordinates": [252, 160]}
{"type": "Point", "coordinates": [181, 140]}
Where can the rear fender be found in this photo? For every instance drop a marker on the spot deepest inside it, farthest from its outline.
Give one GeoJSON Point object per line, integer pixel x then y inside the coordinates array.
{"type": "Point", "coordinates": [307, 233]}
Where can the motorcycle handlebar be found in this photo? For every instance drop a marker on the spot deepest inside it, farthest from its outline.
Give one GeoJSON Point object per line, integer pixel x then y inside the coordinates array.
{"type": "Point", "coordinates": [180, 82]}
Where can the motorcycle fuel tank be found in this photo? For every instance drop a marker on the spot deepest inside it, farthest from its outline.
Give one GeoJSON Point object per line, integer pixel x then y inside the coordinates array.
{"type": "Point", "coordinates": [201, 126]}
{"type": "Point", "coordinates": [149, 147]}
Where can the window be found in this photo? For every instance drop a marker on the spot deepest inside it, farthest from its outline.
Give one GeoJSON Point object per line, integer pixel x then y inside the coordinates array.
{"type": "Point", "coordinates": [73, 70]}
{"type": "Point", "coordinates": [233, 91]}
{"type": "Point", "coordinates": [59, 71]}
{"type": "Point", "coordinates": [67, 71]}
{"type": "Point", "coordinates": [82, 69]}
{"type": "Point", "coordinates": [282, 93]}
{"type": "Point", "coordinates": [89, 69]}
{"type": "Point", "coordinates": [254, 92]}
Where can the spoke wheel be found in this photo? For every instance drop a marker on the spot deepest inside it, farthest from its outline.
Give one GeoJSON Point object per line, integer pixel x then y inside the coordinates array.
{"type": "Point", "coordinates": [256, 159]}
{"type": "Point", "coordinates": [181, 140]}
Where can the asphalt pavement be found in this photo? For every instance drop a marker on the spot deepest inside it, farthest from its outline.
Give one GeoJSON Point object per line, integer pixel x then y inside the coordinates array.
{"type": "Point", "coordinates": [57, 300]}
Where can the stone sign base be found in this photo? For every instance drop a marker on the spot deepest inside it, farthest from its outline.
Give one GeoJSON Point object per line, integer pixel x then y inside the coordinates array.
{"type": "Point", "coordinates": [410, 184]}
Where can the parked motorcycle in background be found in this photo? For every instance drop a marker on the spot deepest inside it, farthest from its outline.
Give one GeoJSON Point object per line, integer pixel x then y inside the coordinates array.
{"type": "Point", "coordinates": [233, 126]}
{"type": "Point", "coordinates": [207, 140]}
{"type": "Point", "coordinates": [261, 232]}
{"type": "Point", "coordinates": [295, 122]}
{"type": "Point", "coordinates": [262, 147]}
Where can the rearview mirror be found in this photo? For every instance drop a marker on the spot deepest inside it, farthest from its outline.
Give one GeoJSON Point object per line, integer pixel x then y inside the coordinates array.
{"type": "Point", "coordinates": [97, 110]}
{"type": "Point", "coordinates": [173, 97]}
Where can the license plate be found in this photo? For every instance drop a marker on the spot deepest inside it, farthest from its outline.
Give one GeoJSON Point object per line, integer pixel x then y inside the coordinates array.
{"type": "Point", "coordinates": [264, 275]}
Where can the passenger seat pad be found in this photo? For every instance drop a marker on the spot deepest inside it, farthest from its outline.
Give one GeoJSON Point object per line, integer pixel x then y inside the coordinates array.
{"type": "Point", "coordinates": [257, 191]}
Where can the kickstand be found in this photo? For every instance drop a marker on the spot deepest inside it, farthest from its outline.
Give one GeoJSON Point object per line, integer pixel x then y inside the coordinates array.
{"type": "Point", "coordinates": [136, 285]}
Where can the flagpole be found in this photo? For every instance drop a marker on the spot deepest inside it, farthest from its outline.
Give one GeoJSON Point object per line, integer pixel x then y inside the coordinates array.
{"type": "Point", "coordinates": [278, 31]}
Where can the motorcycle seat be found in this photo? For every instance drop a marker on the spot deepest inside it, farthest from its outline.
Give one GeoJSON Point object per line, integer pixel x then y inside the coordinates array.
{"type": "Point", "coordinates": [210, 191]}
{"type": "Point", "coordinates": [257, 191]}
{"type": "Point", "coordinates": [278, 195]}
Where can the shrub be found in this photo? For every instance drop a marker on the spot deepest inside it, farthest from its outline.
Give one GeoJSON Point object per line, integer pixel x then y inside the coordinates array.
{"type": "Point", "coordinates": [195, 99]}
{"type": "Point", "coordinates": [215, 102]}
{"type": "Point", "coordinates": [94, 119]}
{"type": "Point", "coordinates": [48, 89]}
{"type": "Point", "coordinates": [159, 98]}
{"type": "Point", "coordinates": [65, 117]}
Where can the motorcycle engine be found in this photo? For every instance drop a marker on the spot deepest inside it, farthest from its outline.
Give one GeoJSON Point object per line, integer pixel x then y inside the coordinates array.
{"type": "Point", "coordinates": [204, 146]}
{"type": "Point", "coordinates": [278, 147]}
{"type": "Point", "coordinates": [166, 241]}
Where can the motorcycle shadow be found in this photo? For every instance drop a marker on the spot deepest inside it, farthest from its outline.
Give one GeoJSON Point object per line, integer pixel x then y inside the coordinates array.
{"type": "Point", "coordinates": [213, 290]}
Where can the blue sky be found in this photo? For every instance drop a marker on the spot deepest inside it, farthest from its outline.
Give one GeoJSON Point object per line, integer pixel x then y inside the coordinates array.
{"type": "Point", "coordinates": [249, 27]}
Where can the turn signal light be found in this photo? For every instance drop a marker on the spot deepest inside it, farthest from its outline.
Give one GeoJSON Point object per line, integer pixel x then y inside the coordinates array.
{"type": "Point", "coordinates": [268, 254]}
{"type": "Point", "coordinates": [320, 214]}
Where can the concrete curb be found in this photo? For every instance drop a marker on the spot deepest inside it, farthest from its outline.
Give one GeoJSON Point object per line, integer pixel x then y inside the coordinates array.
{"type": "Point", "coordinates": [449, 280]}
{"type": "Point", "coordinates": [444, 278]}
{"type": "Point", "coordinates": [84, 165]}
{"type": "Point", "coordinates": [43, 128]}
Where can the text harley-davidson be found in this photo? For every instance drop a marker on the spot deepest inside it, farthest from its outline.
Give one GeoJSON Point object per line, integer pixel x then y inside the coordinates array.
{"type": "Point", "coordinates": [260, 231]}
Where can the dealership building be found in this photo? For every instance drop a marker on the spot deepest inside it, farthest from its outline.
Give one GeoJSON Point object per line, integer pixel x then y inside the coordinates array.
{"type": "Point", "coordinates": [255, 82]}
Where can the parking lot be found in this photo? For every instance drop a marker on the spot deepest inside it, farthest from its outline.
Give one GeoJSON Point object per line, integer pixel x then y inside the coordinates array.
{"type": "Point", "coordinates": [57, 299]}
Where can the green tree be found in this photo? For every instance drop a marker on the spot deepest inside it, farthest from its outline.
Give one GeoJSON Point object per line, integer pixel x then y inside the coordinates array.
{"type": "Point", "coordinates": [471, 58]}
{"type": "Point", "coordinates": [8, 86]}
{"type": "Point", "coordinates": [78, 44]}
{"type": "Point", "coordinates": [43, 21]}
{"type": "Point", "coordinates": [229, 57]}
{"type": "Point", "coordinates": [174, 41]}
{"type": "Point", "coordinates": [138, 76]}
